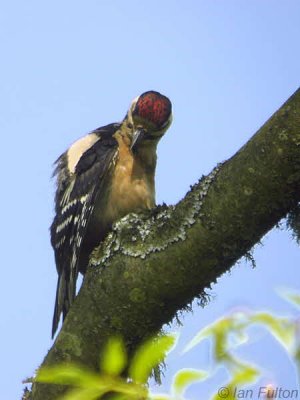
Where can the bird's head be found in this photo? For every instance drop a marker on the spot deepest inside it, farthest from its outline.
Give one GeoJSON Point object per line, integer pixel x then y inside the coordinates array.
{"type": "Point", "coordinates": [150, 115]}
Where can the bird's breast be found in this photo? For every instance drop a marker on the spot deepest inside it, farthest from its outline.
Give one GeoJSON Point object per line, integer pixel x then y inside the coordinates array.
{"type": "Point", "coordinates": [132, 186]}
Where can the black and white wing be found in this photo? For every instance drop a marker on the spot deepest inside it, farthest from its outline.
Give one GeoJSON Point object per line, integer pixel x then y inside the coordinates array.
{"type": "Point", "coordinates": [81, 176]}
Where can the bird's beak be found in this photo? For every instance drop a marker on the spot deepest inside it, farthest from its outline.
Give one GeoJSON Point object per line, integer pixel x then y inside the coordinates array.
{"type": "Point", "coordinates": [137, 137]}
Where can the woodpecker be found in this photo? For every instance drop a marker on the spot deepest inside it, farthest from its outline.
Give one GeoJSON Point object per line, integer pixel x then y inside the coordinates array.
{"type": "Point", "coordinates": [102, 177]}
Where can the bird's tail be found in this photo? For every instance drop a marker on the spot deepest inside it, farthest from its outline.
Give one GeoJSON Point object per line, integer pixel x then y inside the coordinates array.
{"type": "Point", "coordinates": [63, 300]}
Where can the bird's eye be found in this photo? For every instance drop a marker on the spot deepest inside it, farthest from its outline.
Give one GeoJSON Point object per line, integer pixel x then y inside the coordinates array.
{"type": "Point", "coordinates": [129, 125]}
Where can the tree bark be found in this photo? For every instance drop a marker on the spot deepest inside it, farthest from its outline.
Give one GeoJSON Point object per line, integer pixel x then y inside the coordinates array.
{"type": "Point", "coordinates": [152, 265]}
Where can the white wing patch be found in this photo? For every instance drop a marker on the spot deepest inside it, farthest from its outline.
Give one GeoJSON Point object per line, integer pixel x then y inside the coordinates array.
{"type": "Point", "coordinates": [78, 148]}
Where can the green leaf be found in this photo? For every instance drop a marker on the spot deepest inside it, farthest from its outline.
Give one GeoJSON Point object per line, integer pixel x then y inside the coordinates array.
{"type": "Point", "coordinates": [70, 374]}
{"type": "Point", "coordinates": [149, 355]}
{"type": "Point", "coordinates": [186, 377]}
{"type": "Point", "coordinates": [89, 385]}
{"type": "Point", "coordinates": [282, 329]}
{"type": "Point", "coordinates": [114, 357]}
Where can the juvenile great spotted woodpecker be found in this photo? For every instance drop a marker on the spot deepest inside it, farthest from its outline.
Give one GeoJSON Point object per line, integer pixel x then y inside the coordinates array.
{"type": "Point", "coordinates": [100, 178]}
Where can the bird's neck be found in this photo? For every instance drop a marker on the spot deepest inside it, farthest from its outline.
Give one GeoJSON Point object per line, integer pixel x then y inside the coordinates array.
{"type": "Point", "coordinates": [144, 154]}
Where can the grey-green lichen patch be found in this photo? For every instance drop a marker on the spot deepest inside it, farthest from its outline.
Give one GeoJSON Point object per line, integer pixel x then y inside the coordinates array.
{"type": "Point", "coordinates": [138, 235]}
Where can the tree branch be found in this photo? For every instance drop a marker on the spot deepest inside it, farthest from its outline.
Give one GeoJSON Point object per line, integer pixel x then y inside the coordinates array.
{"type": "Point", "coordinates": [154, 264]}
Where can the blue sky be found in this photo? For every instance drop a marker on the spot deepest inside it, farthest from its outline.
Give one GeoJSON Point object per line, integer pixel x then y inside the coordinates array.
{"type": "Point", "coordinates": [69, 67]}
